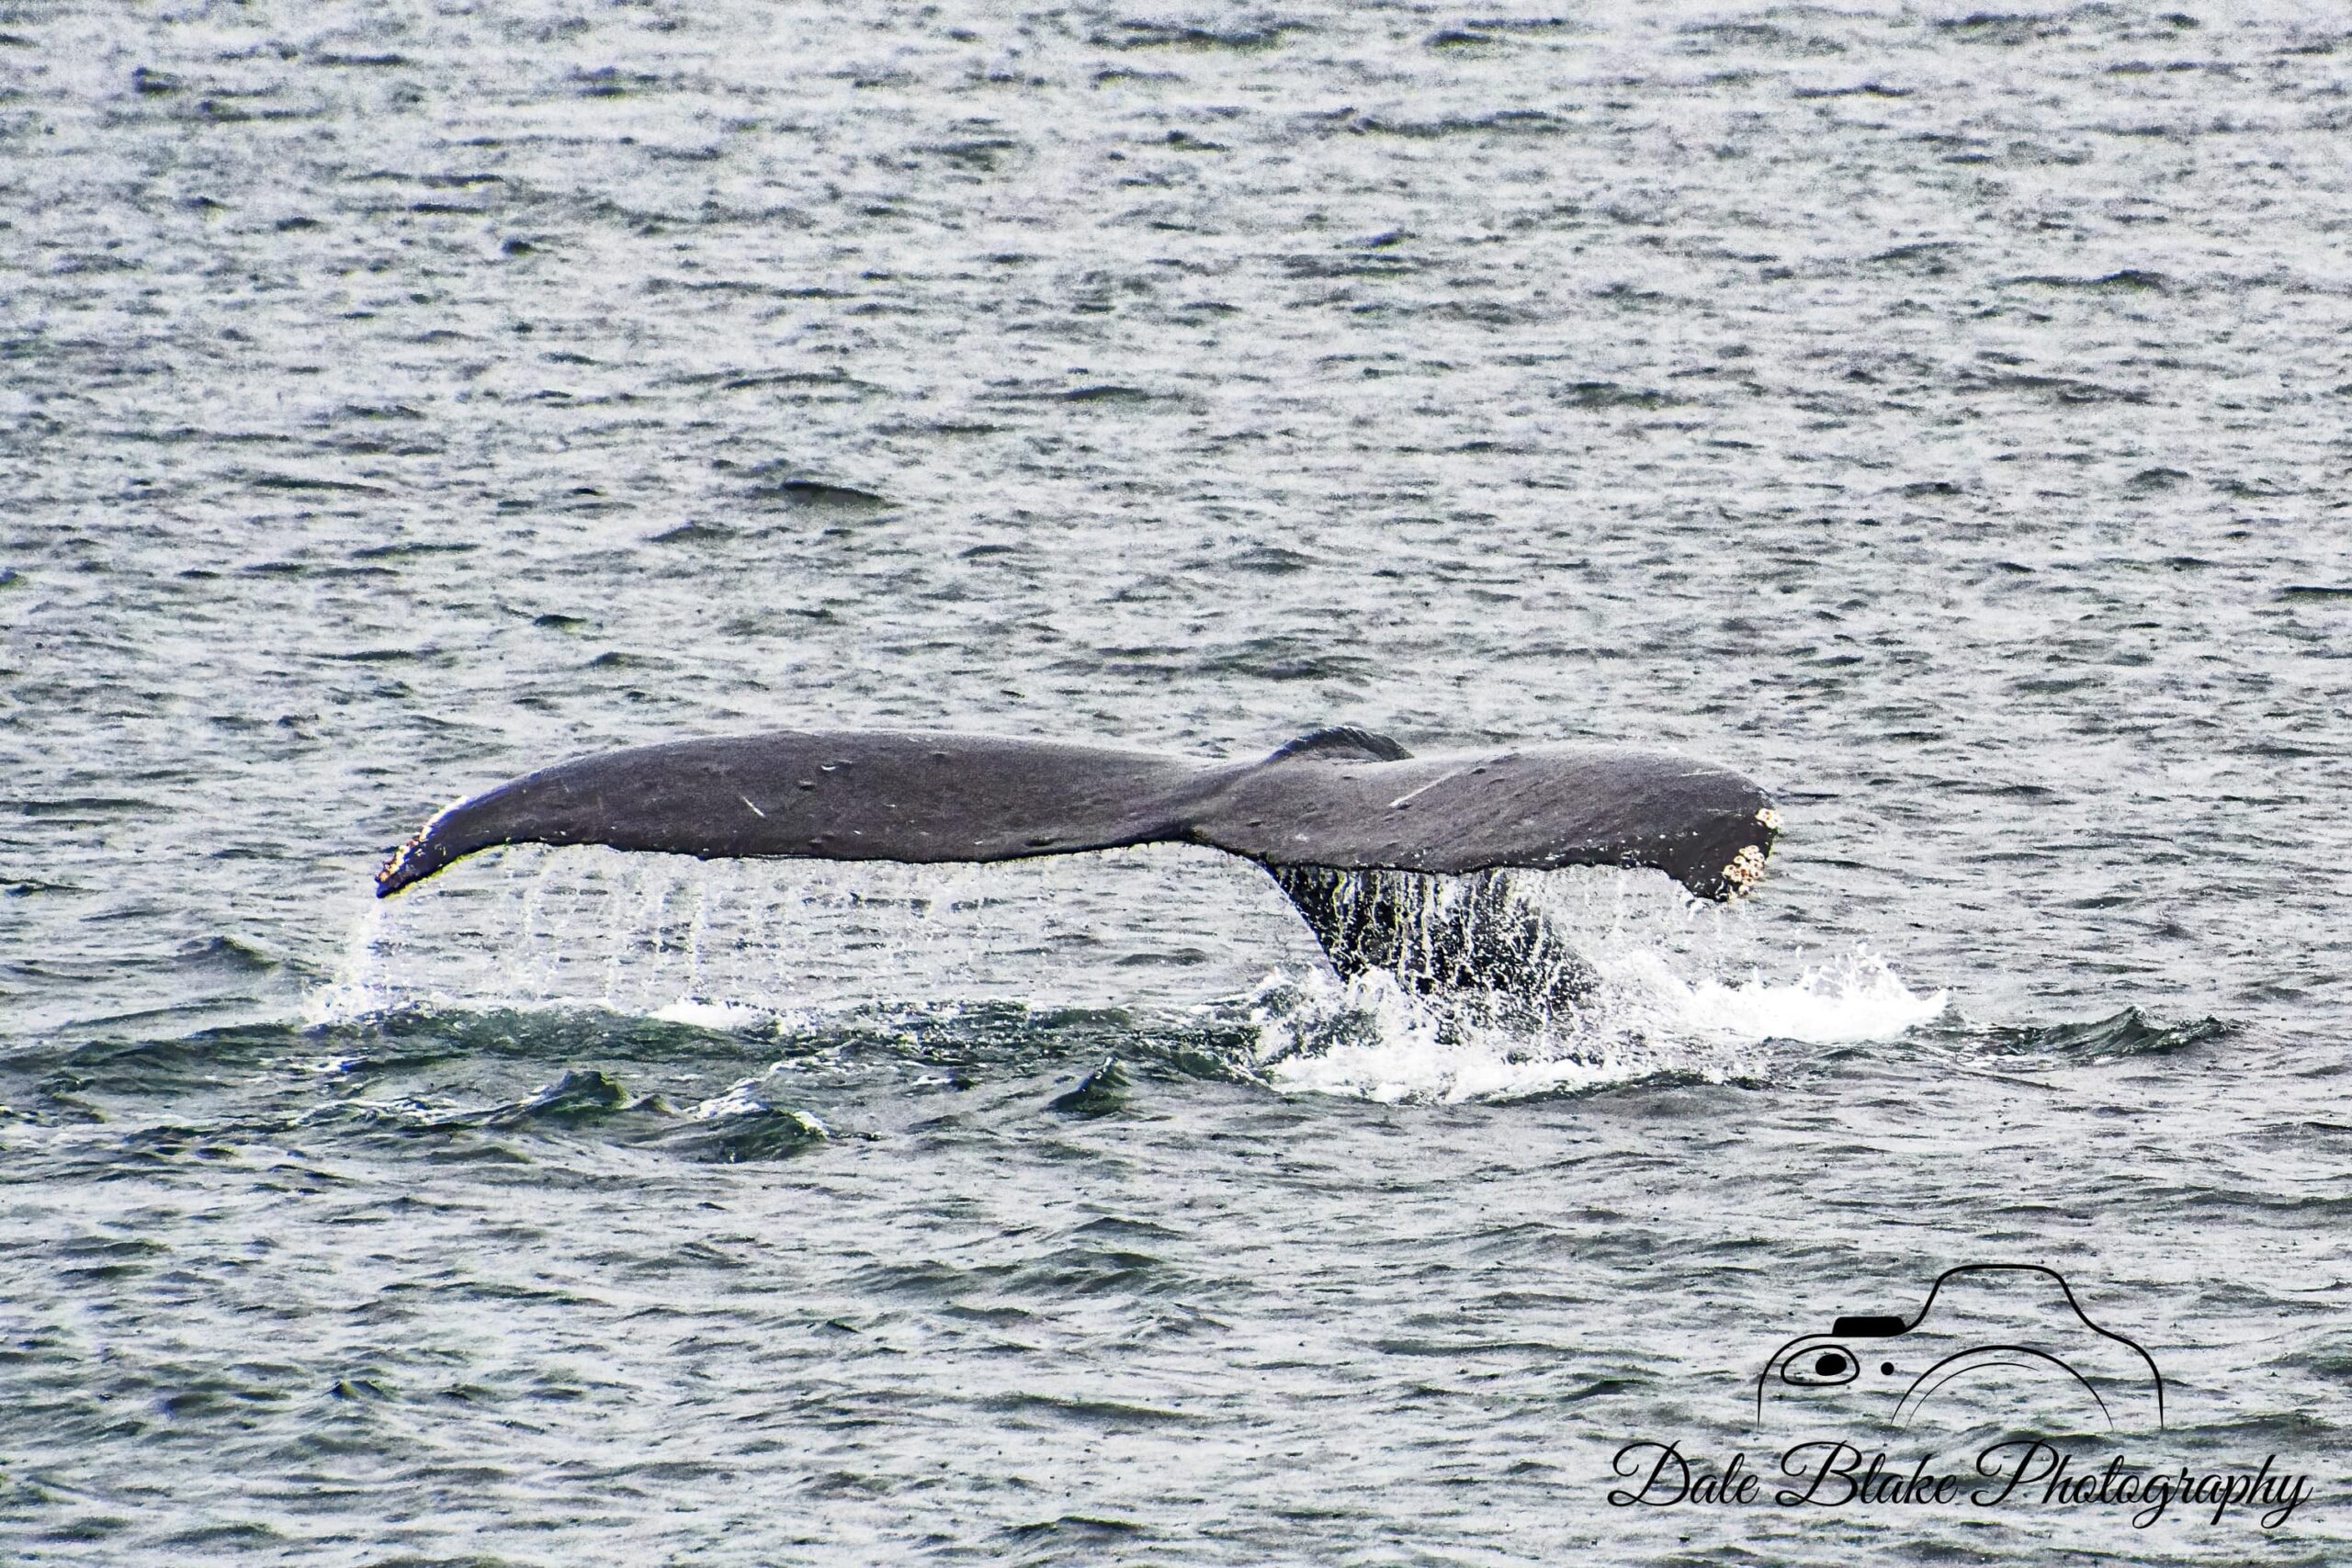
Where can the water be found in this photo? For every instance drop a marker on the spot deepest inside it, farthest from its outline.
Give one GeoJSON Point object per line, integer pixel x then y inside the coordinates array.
{"type": "Point", "coordinates": [1938, 416]}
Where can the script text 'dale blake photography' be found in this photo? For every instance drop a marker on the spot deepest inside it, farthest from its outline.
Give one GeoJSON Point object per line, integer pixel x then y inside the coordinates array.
{"type": "Point", "coordinates": [2016, 1473]}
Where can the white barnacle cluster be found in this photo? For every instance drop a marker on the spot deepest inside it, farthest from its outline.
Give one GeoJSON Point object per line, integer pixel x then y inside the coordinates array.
{"type": "Point", "coordinates": [401, 857]}
{"type": "Point", "coordinates": [1746, 870]}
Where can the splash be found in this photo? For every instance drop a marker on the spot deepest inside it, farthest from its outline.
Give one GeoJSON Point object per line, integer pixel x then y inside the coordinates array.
{"type": "Point", "coordinates": [356, 991]}
{"type": "Point", "coordinates": [1858, 998]}
{"type": "Point", "coordinates": [1680, 988]}
{"type": "Point", "coordinates": [736, 1018]}
{"type": "Point", "coordinates": [729, 944]}
{"type": "Point", "coordinates": [1643, 1021]}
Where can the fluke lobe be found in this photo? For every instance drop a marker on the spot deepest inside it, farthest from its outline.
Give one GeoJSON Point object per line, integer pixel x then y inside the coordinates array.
{"type": "Point", "coordinates": [1396, 862]}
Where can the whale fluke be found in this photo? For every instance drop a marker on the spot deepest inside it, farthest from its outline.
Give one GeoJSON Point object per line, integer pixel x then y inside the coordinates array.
{"type": "Point", "coordinates": [1350, 823]}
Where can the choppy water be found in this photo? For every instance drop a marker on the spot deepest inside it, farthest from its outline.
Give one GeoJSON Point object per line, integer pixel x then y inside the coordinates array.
{"type": "Point", "coordinates": [1941, 416]}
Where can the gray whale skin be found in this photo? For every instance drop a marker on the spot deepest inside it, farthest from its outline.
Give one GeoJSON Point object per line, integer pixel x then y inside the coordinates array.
{"type": "Point", "coordinates": [1396, 862]}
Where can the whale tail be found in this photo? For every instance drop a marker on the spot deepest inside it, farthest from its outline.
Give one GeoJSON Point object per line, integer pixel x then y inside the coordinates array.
{"type": "Point", "coordinates": [1352, 826]}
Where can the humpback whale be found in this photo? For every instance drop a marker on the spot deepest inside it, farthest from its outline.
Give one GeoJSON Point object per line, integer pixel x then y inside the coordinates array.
{"type": "Point", "coordinates": [1396, 862]}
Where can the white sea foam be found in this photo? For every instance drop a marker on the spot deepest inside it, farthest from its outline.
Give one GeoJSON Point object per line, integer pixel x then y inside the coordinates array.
{"type": "Point", "coordinates": [1645, 1019]}
{"type": "Point", "coordinates": [749, 1097]}
{"type": "Point", "coordinates": [738, 1018]}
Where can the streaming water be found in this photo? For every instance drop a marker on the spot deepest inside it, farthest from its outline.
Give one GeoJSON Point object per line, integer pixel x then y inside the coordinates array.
{"type": "Point", "coordinates": [1938, 415]}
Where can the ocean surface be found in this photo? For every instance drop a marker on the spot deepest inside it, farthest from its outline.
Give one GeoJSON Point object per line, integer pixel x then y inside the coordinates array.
{"type": "Point", "coordinates": [1941, 416]}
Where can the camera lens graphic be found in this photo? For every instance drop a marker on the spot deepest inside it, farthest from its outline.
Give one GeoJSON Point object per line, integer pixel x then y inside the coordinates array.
{"type": "Point", "coordinates": [1820, 1366]}
{"type": "Point", "coordinates": [2013, 1334]}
